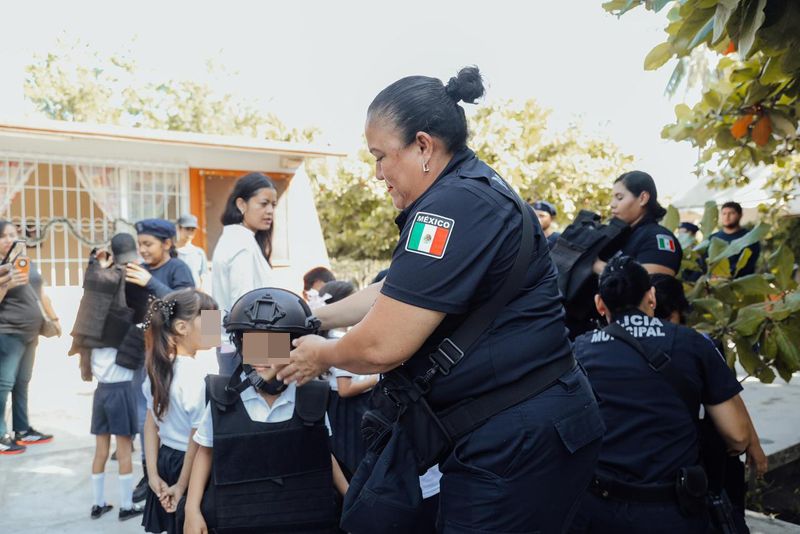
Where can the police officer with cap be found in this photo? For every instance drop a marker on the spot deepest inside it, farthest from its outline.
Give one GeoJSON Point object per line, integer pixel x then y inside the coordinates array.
{"type": "Point", "coordinates": [648, 478]}
{"type": "Point", "coordinates": [634, 200]}
{"type": "Point", "coordinates": [545, 211]}
{"type": "Point", "coordinates": [262, 438]}
{"type": "Point", "coordinates": [522, 467]}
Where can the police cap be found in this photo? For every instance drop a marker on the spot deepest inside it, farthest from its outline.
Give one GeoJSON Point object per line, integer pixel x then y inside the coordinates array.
{"type": "Point", "coordinates": [156, 227]}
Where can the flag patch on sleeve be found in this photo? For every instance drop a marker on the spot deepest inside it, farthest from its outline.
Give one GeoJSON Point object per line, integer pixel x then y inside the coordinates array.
{"type": "Point", "coordinates": [665, 242]}
{"type": "Point", "coordinates": [430, 234]}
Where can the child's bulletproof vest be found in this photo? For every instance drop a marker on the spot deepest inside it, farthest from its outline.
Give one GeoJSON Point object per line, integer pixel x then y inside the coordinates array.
{"type": "Point", "coordinates": [270, 477]}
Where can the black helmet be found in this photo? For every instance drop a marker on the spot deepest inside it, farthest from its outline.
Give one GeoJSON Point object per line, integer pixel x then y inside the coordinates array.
{"type": "Point", "coordinates": [270, 309]}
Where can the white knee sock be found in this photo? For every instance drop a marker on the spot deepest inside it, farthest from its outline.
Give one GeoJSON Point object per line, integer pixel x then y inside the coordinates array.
{"type": "Point", "coordinates": [126, 491]}
{"type": "Point", "coordinates": [98, 481]}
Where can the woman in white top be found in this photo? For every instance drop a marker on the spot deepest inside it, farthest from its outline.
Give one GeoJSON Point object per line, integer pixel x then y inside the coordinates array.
{"type": "Point", "coordinates": [241, 258]}
{"type": "Point", "coordinates": [175, 393]}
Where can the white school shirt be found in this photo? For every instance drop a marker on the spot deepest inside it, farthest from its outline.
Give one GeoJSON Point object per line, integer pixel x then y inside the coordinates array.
{"type": "Point", "coordinates": [187, 398]}
{"type": "Point", "coordinates": [238, 266]}
{"type": "Point", "coordinates": [105, 368]}
{"type": "Point", "coordinates": [334, 373]}
{"type": "Point", "coordinates": [257, 409]}
{"type": "Point", "coordinates": [195, 258]}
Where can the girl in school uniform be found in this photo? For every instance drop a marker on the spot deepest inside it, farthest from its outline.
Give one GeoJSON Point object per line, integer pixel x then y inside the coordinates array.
{"type": "Point", "coordinates": [175, 393]}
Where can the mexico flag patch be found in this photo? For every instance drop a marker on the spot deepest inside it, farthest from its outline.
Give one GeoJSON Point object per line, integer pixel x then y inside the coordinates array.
{"type": "Point", "coordinates": [429, 234]}
{"type": "Point", "coordinates": [665, 242]}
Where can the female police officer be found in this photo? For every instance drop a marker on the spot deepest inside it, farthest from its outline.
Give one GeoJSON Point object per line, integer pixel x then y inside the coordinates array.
{"type": "Point", "coordinates": [524, 469]}
{"type": "Point", "coordinates": [651, 435]}
{"type": "Point", "coordinates": [635, 201]}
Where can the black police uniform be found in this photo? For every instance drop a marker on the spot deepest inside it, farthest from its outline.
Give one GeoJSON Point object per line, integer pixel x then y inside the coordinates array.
{"type": "Point", "coordinates": [552, 239]}
{"type": "Point", "coordinates": [525, 468]}
{"type": "Point", "coordinates": [650, 242]}
{"type": "Point", "coordinates": [650, 433]}
{"type": "Point", "coordinates": [270, 477]}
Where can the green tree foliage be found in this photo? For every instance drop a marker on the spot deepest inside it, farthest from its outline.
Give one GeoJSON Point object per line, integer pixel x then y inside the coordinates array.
{"type": "Point", "coordinates": [747, 116]}
{"type": "Point", "coordinates": [76, 83]}
{"type": "Point", "coordinates": [749, 109]}
{"type": "Point", "coordinates": [569, 168]}
{"type": "Point", "coordinates": [757, 317]}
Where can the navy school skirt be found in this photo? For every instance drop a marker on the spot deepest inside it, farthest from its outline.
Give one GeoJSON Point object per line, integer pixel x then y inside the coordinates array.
{"type": "Point", "coordinates": [155, 518]}
{"type": "Point", "coordinates": [114, 409]}
{"type": "Point", "coordinates": [345, 414]}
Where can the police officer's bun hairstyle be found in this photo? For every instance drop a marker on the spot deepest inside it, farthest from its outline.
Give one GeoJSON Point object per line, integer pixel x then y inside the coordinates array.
{"type": "Point", "coordinates": [424, 104]}
{"type": "Point", "coordinates": [637, 182]}
{"type": "Point", "coordinates": [623, 285]}
{"type": "Point", "coordinates": [246, 188]}
{"type": "Point", "coordinates": [160, 334]}
{"type": "Point", "coordinates": [670, 297]}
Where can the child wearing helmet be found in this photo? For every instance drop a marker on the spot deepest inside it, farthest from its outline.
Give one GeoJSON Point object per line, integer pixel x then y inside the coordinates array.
{"type": "Point", "coordinates": [263, 439]}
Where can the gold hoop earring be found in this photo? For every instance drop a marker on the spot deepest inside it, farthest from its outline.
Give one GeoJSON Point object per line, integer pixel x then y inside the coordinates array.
{"type": "Point", "coordinates": [425, 167]}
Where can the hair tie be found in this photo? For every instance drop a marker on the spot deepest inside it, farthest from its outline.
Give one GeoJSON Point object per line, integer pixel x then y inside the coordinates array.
{"type": "Point", "coordinates": [166, 309]}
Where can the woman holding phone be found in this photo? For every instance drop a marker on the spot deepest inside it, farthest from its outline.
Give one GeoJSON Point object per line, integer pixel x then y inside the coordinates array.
{"type": "Point", "coordinates": [20, 323]}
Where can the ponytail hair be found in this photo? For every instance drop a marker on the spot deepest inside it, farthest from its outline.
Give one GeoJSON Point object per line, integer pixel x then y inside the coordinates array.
{"type": "Point", "coordinates": [623, 285]}
{"type": "Point", "coordinates": [160, 334]}
{"type": "Point", "coordinates": [638, 182]}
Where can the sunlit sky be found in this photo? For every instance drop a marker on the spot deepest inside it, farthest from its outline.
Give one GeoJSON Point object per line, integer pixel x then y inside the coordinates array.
{"type": "Point", "coordinates": [321, 63]}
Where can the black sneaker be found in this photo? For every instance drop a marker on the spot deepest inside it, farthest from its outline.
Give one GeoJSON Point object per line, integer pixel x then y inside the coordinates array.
{"type": "Point", "coordinates": [32, 437]}
{"type": "Point", "coordinates": [97, 511]}
{"type": "Point", "coordinates": [7, 446]}
{"type": "Point", "coordinates": [140, 491]}
{"type": "Point", "coordinates": [125, 514]}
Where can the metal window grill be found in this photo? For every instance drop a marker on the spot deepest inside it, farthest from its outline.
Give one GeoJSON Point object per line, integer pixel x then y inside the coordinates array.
{"type": "Point", "coordinates": [66, 206]}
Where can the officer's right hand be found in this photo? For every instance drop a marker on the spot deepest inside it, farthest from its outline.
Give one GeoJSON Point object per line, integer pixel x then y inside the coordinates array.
{"type": "Point", "coordinates": [194, 523]}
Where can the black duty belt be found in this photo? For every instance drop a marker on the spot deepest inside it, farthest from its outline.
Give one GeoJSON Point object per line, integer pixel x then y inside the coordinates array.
{"type": "Point", "coordinates": [468, 415]}
{"type": "Point", "coordinates": [621, 491]}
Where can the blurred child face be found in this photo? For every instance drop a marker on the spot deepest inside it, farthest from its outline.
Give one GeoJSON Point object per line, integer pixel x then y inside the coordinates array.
{"type": "Point", "coordinates": [152, 250]}
{"type": "Point", "coordinates": [192, 339]}
{"type": "Point", "coordinates": [186, 234]}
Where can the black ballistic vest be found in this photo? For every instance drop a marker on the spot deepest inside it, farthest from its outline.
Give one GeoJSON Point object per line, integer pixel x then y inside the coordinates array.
{"type": "Point", "coordinates": [270, 477]}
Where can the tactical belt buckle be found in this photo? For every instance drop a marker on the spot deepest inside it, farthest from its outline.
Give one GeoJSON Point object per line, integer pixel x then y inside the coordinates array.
{"type": "Point", "coordinates": [659, 361]}
{"type": "Point", "coordinates": [446, 356]}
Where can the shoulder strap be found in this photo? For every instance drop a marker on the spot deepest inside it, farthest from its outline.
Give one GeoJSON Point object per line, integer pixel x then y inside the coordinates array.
{"type": "Point", "coordinates": [659, 362]}
{"type": "Point", "coordinates": [452, 349]}
{"type": "Point", "coordinates": [311, 402]}
{"type": "Point", "coordinates": [217, 390]}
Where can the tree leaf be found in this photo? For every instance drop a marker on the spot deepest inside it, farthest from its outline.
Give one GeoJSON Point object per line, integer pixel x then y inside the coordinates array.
{"type": "Point", "coordinates": [710, 218]}
{"type": "Point", "coordinates": [744, 353]}
{"type": "Point", "coordinates": [788, 351]}
{"type": "Point", "coordinates": [721, 17]}
{"type": "Point", "coordinates": [752, 285]}
{"type": "Point", "coordinates": [735, 247]}
{"type": "Point", "coordinates": [748, 320]}
{"type": "Point", "coordinates": [672, 219]}
{"type": "Point", "coordinates": [744, 257]}
{"type": "Point", "coordinates": [659, 55]}
{"type": "Point", "coordinates": [781, 265]}
{"type": "Point", "coordinates": [715, 308]}
{"type": "Point", "coordinates": [782, 125]}
{"type": "Point", "coordinates": [753, 19]}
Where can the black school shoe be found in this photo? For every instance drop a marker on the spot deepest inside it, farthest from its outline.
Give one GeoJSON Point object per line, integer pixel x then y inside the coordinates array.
{"type": "Point", "coordinates": [32, 437]}
{"type": "Point", "coordinates": [97, 511]}
{"type": "Point", "coordinates": [140, 491]}
{"type": "Point", "coordinates": [125, 514]}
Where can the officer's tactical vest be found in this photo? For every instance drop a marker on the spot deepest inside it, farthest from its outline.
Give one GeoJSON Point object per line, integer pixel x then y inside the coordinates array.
{"type": "Point", "coordinates": [577, 248]}
{"type": "Point", "coordinates": [270, 477]}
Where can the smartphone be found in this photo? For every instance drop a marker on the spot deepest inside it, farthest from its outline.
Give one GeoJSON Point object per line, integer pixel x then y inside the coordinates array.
{"type": "Point", "coordinates": [16, 250]}
{"type": "Point", "coordinates": [22, 264]}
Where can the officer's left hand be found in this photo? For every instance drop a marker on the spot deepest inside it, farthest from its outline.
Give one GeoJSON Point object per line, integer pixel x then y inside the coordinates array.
{"type": "Point", "coordinates": [305, 360]}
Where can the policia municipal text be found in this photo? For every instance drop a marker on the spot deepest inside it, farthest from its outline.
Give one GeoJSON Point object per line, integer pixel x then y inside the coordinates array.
{"type": "Point", "coordinates": [519, 456]}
